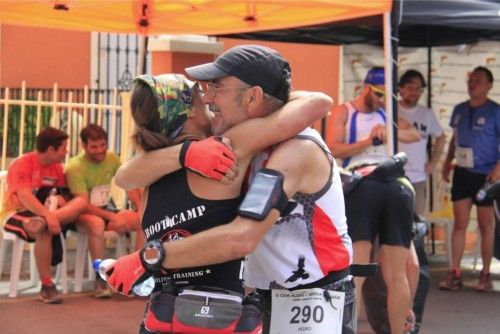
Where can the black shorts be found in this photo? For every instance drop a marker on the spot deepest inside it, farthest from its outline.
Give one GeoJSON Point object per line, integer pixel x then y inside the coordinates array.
{"type": "Point", "coordinates": [383, 208]}
{"type": "Point", "coordinates": [14, 224]}
{"type": "Point", "coordinates": [466, 185]}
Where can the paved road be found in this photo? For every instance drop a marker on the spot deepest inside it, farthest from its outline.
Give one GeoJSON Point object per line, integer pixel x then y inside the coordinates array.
{"type": "Point", "coordinates": [447, 312]}
{"type": "Point", "coordinates": [79, 314]}
{"type": "Point", "coordinates": [462, 312]}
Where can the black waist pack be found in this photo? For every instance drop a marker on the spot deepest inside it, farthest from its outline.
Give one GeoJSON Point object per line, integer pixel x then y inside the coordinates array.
{"type": "Point", "coordinates": [197, 310]}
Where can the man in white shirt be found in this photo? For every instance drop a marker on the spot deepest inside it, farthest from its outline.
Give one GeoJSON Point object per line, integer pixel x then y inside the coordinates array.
{"type": "Point", "coordinates": [411, 85]}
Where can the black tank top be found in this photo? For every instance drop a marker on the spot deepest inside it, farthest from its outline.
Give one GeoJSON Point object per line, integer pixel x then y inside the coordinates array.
{"type": "Point", "coordinates": [173, 212]}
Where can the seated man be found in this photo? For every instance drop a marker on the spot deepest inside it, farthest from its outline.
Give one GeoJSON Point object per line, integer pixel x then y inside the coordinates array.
{"type": "Point", "coordinates": [29, 179]}
{"type": "Point", "coordinates": [89, 177]}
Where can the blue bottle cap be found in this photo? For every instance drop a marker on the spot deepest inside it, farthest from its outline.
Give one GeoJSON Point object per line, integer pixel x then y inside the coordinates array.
{"type": "Point", "coordinates": [96, 264]}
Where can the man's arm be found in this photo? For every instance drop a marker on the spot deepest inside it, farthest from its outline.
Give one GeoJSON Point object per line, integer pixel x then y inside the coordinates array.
{"type": "Point", "coordinates": [494, 175]}
{"type": "Point", "coordinates": [95, 210]}
{"type": "Point", "coordinates": [302, 109]}
{"type": "Point", "coordinates": [225, 242]}
{"type": "Point", "coordinates": [240, 237]}
{"type": "Point", "coordinates": [209, 157]}
{"type": "Point", "coordinates": [436, 154]}
{"type": "Point", "coordinates": [407, 133]}
{"type": "Point", "coordinates": [447, 165]}
{"type": "Point", "coordinates": [147, 167]}
{"type": "Point", "coordinates": [343, 150]}
{"type": "Point", "coordinates": [31, 203]}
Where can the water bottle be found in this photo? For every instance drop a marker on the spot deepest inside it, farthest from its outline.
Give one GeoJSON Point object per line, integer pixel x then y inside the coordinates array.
{"type": "Point", "coordinates": [105, 268]}
{"type": "Point", "coordinates": [483, 192]}
{"type": "Point", "coordinates": [52, 201]}
{"type": "Point", "coordinates": [400, 159]}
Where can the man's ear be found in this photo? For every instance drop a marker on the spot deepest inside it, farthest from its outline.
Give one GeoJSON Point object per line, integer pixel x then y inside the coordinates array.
{"type": "Point", "coordinates": [254, 98]}
{"type": "Point", "coordinates": [51, 149]}
{"type": "Point", "coordinates": [256, 94]}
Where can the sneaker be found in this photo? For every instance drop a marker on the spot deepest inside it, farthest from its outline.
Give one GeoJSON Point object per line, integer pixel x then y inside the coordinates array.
{"type": "Point", "coordinates": [25, 227]}
{"type": "Point", "coordinates": [101, 289]}
{"type": "Point", "coordinates": [485, 284]}
{"type": "Point", "coordinates": [34, 225]}
{"type": "Point", "coordinates": [49, 295]}
{"type": "Point", "coordinates": [452, 282]}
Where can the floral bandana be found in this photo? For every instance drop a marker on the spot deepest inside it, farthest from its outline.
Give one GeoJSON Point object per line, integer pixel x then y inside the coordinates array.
{"type": "Point", "coordinates": [173, 96]}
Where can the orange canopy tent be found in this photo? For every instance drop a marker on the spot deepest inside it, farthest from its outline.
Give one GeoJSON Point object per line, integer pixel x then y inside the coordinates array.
{"type": "Point", "coordinates": [207, 17]}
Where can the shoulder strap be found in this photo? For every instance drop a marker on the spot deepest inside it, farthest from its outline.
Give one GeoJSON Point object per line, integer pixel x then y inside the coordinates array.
{"type": "Point", "coordinates": [352, 135]}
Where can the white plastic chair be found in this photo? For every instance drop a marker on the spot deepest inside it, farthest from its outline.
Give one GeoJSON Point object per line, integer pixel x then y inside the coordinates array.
{"type": "Point", "coordinates": [16, 260]}
{"type": "Point", "coordinates": [82, 252]}
{"type": "Point", "coordinates": [447, 224]}
{"type": "Point", "coordinates": [17, 249]}
{"type": "Point", "coordinates": [17, 254]}
{"type": "Point", "coordinates": [17, 257]}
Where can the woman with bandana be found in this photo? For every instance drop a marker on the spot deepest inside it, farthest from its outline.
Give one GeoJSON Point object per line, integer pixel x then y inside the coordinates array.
{"type": "Point", "coordinates": [168, 110]}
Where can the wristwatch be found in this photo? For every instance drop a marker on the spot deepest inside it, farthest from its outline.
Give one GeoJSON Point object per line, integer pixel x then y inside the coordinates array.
{"type": "Point", "coordinates": [152, 255]}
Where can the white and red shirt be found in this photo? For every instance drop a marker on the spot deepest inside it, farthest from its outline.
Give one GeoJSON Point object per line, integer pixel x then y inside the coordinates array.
{"type": "Point", "coordinates": [308, 243]}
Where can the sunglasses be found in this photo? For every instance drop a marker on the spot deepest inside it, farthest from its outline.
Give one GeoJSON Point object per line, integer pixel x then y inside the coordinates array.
{"type": "Point", "coordinates": [377, 91]}
{"type": "Point", "coordinates": [210, 89]}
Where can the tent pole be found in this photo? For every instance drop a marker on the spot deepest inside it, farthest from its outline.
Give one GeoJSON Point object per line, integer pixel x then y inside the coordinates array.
{"type": "Point", "coordinates": [429, 105]}
{"type": "Point", "coordinates": [142, 56]}
{"type": "Point", "coordinates": [388, 83]}
{"type": "Point", "coordinates": [429, 77]}
{"type": "Point", "coordinates": [391, 42]}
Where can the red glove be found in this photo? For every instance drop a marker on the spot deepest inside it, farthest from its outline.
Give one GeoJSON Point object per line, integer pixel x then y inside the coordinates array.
{"type": "Point", "coordinates": [209, 157]}
{"type": "Point", "coordinates": [135, 268]}
{"type": "Point", "coordinates": [127, 272]}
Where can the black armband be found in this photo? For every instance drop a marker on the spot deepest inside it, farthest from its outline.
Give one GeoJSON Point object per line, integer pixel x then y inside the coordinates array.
{"type": "Point", "coordinates": [265, 193]}
{"type": "Point", "coordinates": [182, 153]}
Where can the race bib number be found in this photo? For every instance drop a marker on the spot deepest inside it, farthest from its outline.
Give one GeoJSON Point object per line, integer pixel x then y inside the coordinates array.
{"type": "Point", "coordinates": [99, 196]}
{"type": "Point", "coordinates": [310, 311]}
{"type": "Point", "coordinates": [465, 157]}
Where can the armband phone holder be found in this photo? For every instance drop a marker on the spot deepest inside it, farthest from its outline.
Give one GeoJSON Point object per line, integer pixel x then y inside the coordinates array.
{"type": "Point", "coordinates": [265, 193]}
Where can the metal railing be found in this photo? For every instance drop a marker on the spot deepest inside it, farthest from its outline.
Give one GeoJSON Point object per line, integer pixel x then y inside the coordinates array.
{"type": "Point", "coordinates": [25, 111]}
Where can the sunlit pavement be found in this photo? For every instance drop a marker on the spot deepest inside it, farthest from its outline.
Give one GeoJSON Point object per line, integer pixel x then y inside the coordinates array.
{"type": "Point", "coordinates": [462, 312]}
{"type": "Point", "coordinates": [465, 311]}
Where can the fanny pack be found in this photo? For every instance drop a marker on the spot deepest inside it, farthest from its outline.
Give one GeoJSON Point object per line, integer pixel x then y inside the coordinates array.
{"type": "Point", "coordinates": [196, 310]}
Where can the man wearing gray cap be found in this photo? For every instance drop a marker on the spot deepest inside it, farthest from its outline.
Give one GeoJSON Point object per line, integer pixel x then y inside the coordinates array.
{"type": "Point", "coordinates": [291, 223]}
